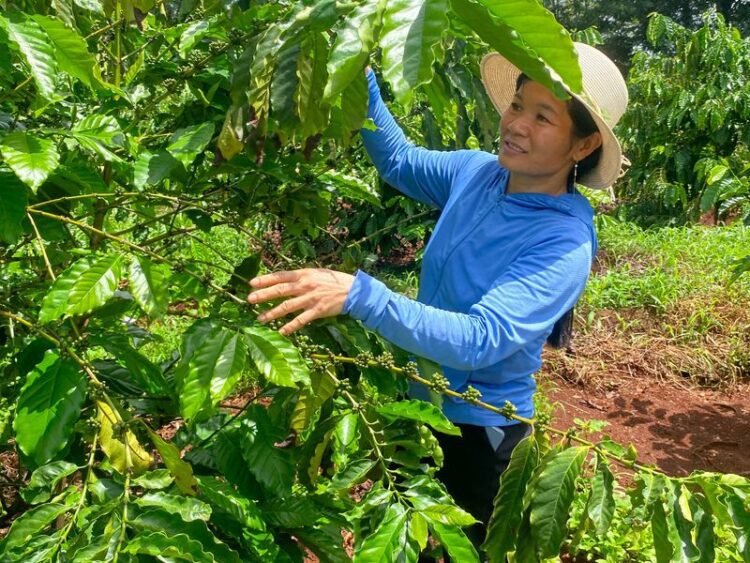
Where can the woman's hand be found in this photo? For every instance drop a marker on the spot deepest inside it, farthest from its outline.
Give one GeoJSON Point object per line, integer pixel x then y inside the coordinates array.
{"type": "Point", "coordinates": [317, 292]}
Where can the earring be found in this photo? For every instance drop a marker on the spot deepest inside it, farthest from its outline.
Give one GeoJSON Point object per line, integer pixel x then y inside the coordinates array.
{"type": "Point", "coordinates": [575, 173]}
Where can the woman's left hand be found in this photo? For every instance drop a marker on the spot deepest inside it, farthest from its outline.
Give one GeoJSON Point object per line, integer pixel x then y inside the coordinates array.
{"type": "Point", "coordinates": [319, 293]}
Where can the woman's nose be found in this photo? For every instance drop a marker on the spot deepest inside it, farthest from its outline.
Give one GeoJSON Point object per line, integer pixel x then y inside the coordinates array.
{"type": "Point", "coordinates": [518, 125]}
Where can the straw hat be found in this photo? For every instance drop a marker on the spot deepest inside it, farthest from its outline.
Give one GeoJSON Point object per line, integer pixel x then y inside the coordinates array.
{"type": "Point", "coordinates": [604, 94]}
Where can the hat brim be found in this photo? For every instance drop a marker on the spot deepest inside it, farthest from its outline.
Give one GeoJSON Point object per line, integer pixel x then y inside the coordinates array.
{"type": "Point", "coordinates": [499, 77]}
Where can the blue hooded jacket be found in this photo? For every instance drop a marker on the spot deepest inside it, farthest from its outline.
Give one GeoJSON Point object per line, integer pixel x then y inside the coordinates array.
{"type": "Point", "coordinates": [498, 271]}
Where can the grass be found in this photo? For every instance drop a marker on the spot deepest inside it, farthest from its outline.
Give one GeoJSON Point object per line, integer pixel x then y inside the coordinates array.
{"type": "Point", "coordinates": [662, 302]}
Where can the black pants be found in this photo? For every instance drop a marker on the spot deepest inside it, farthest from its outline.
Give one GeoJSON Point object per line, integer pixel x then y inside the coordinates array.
{"type": "Point", "coordinates": [472, 468]}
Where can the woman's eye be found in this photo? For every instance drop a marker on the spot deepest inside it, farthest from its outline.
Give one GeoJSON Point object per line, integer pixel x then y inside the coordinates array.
{"type": "Point", "coordinates": [515, 106]}
{"type": "Point", "coordinates": [540, 117]}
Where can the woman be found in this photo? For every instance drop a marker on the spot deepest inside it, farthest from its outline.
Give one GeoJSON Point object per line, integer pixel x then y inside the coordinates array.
{"type": "Point", "coordinates": [509, 256]}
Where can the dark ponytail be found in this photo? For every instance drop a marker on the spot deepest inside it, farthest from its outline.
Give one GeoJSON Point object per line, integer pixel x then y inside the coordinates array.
{"type": "Point", "coordinates": [562, 332]}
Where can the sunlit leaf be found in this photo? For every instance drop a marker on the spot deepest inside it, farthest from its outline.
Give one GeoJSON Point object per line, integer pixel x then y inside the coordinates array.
{"type": "Point", "coordinates": [149, 285]}
{"type": "Point", "coordinates": [35, 46]}
{"type": "Point", "coordinates": [31, 158]}
{"type": "Point", "coordinates": [411, 43]}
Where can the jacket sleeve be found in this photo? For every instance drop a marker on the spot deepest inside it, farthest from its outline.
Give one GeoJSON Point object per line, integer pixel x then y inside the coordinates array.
{"type": "Point", "coordinates": [422, 174]}
{"type": "Point", "coordinates": [521, 306]}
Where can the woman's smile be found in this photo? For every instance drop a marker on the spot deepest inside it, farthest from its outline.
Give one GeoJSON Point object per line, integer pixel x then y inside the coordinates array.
{"type": "Point", "coordinates": [511, 148]}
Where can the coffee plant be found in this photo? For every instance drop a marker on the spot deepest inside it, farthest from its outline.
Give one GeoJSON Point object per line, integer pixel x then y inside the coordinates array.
{"type": "Point", "coordinates": [156, 155]}
{"type": "Point", "coordinates": [687, 129]}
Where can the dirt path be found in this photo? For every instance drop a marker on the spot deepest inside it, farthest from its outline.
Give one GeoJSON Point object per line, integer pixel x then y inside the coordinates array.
{"type": "Point", "coordinates": [678, 429]}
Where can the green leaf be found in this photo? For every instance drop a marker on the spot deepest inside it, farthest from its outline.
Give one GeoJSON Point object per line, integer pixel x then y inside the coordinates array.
{"type": "Point", "coordinates": [601, 505]}
{"type": "Point", "coordinates": [150, 169]}
{"type": "Point", "coordinates": [507, 513]}
{"type": "Point", "coordinates": [192, 34]}
{"type": "Point", "coordinates": [71, 51]}
{"type": "Point", "coordinates": [211, 372]}
{"type": "Point", "coordinates": [322, 388]}
{"type": "Point", "coordinates": [31, 523]}
{"type": "Point", "coordinates": [382, 544]}
{"type": "Point", "coordinates": [740, 516]}
{"type": "Point", "coordinates": [188, 508]}
{"type": "Point", "coordinates": [292, 512]}
{"type": "Point", "coordinates": [149, 286]}
{"type": "Point", "coordinates": [141, 371]}
{"type": "Point", "coordinates": [180, 469]}
{"type": "Point", "coordinates": [225, 499]}
{"type": "Point", "coordinates": [83, 287]}
{"type": "Point", "coordinates": [538, 29]}
{"type": "Point", "coordinates": [185, 144]}
{"type": "Point", "coordinates": [13, 201]}
{"type": "Point", "coordinates": [420, 411]}
{"type": "Point", "coordinates": [716, 173]}
{"type": "Point", "coordinates": [49, 405]}
{"type": "Point", "coordinates": [662, 544]}
{"type": "Point", "coordinates": [44, 480]}
{"type": "Point", "coordinates": [122, 448]}
{"type": "Point", "coordinates": [312, 74]}
{"type": "Point", "coordinates": [455, 542]}
{"type": "Point", "coordinates": [680, 526]}
{"type": "Point", "coordinates": [448, 514]}
{"type": "Point", "coordinates": [272, 466]}
{"type": "Point", "coordinates": [64, 11]}
{"type": "Point", "coordinates": [31, 158]}
{"type": "Point", "coordinates": [418, 529]}
{"type": "Point", "coordinates": [161, 521]}
{"type": "Point", "coordinates": [705, 539]}
{"type": "Point", "coordinates": [154, 479]}
{"type": "Point", "coordinates": [284, 84]}
{"type": "Point", "coordinates": [411, 43]}
{"type": "Point", "coordinates": [99, 133]}
{"type": "Point", "coordinates": [178, 546]}
{"type": "Point", "coordinates": [354, 473]}
{"type": "Point", "coordinates": [350, 187]}
{"type": "Point", "coordinates": [552, 497]}
{"type": "Point", "coordinates": [36, 49]}
{"type": "Point", "coordinates": [275, 357]}
{"type": "Point", "coordinates": [507, 41]}
{"type": "Point", "coordinates": [354, 41]}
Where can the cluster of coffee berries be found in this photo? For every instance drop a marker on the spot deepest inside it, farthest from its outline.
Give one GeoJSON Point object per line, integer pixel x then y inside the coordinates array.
{"type": "Point", "coordinates": [217, 47]}
{"type": "Point", "coordinates": [472, 395]}
{"type": "Point", "coordinates": [509, 410]}
{"type": "Point", "coordinates": [542, 421]}
{"type": "Point", "coordinates": [440, 383]}
{"type": "Point", "coordinates": [386, 360]}
{"type": "Point", "coordinates": [363, 360]}
{"type": "Point", "coordinates": [411, 369]}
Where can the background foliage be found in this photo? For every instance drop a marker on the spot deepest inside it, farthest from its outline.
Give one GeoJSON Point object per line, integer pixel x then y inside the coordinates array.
{"type": "Point", "coordinates": [687, 130]}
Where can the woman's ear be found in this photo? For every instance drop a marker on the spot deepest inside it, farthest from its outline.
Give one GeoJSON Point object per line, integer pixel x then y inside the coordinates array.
{"type": "Point", "coordinates": [586, 146]}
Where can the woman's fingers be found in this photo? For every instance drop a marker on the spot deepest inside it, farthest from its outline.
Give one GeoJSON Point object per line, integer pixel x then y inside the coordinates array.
{"type": "Point", "coordinates": [288, 306]}
{"type": "Point", "coordinates": [320, 292]}
{"type": "Point", "coordinates": [301, 320]}
{"type": "Point", "coordinates": [276, 278]}
{"type": "Point", "coordinates": [274, 292]}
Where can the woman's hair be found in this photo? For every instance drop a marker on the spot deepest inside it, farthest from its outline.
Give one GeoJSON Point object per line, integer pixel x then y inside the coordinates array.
{"type": "Point", "coordinates": [583, 126]}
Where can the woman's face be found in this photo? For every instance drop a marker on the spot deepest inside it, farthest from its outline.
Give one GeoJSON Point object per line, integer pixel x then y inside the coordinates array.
{"type": "Point", "coordinates": [537, 135]}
